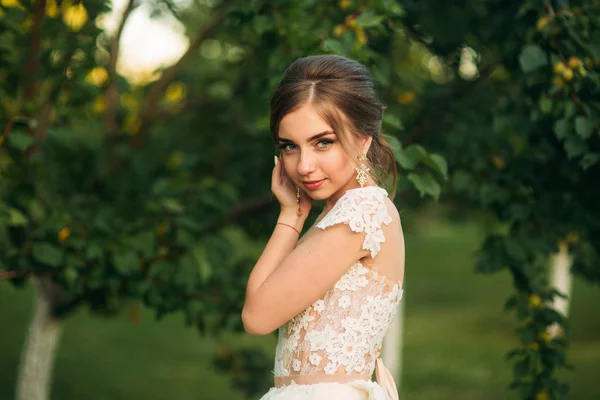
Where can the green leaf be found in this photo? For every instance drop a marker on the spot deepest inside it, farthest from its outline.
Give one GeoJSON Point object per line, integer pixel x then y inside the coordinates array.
{"type": "Point", "coordinates": [438, 163]}
{"type": "Point", "coordinates": [47, 254]}
{"type": "Point", "coordinates": [425, 183]}
{"type": "Point", "coordinates": [172, 205]}
{"type": "Point", "coordinates": [393, 122]}
{"type": "Point", "coordinates": [584, 127]}
{"type": "Point", "coordinates": [126, 262]}
{"type": "Point", "coordinates": [561, 128]}
{"type": "Point", "coordinates": [545, 104]}
{"type": "Point", "coordinates": [574, 146]}
{"type": "Point", "coordinates": [515, 249]}
{"type": "Point", "coordinates": [570, 109]}
{"type": "Point", "coordinates": [20, 140]}
{"type": "Point", "coordinates": [93, 251]}
{"type": "Point", "coordinates": [262, 24]}
{"type": "Point", "coordinates": [70, 275]}
{"type": "Point", "coordinates": [334, 46]}
{"type": "Point", "coordinates": [413, 154]}
{"type": "Point", "coordinates": [145, 243]}
{"type": "Point", "coordinates": [532, 57]}
{"type": "Point", "coordinates": [369, 19]}
{"type": "Point", "coordinates": [491, 193]}
{"type": "Point", "coordinates": [589, 159]}
{"type": "Point", "coordinates": [16, 217]}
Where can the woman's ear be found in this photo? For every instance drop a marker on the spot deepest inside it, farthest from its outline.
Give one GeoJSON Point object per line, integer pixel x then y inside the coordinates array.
{"type": "Point", "coordinates": [365, 143]}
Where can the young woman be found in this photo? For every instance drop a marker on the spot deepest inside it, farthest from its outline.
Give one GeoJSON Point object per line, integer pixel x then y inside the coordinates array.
{"type": "Point", "coordinates": [334, 292]}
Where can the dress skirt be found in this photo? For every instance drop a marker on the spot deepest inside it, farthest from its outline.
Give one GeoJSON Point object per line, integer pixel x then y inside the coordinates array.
{"type": "Point", "coordinates": [354, 390]}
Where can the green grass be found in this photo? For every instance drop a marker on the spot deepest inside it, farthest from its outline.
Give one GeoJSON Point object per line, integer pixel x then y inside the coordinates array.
{"type": "Point", "coordinates": [456, 335]}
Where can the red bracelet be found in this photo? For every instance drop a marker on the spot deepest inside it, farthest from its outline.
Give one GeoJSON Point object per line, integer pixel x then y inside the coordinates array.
{"type": "Point", "coordinates": [281, 223]}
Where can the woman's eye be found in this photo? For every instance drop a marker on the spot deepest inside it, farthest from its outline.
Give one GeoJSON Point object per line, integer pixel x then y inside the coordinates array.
{"type": "Point", "coordinates": [324, 143]}
{"type": "Point", "coordinates": [288, 147]}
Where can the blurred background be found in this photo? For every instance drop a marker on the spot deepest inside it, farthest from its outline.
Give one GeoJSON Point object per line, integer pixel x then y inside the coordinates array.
{"type": "Point", "coordinates": [135, 158]}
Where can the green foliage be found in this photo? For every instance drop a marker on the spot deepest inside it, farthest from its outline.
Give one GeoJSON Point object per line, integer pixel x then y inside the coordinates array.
{"type": "Point", "coordinates": [125, 191]}
{"type": "Point", "coordinates": [120, 191]}
{"type": "Point", "coordinates": [523, 143]}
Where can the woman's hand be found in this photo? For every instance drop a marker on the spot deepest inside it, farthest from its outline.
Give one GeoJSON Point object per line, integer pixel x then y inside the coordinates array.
{"type": "Point", "coordinates": [284, 190]}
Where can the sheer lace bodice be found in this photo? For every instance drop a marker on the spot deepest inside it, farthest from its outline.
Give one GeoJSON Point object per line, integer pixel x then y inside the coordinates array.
{"type": "Point", "coordinates": [342, 332]}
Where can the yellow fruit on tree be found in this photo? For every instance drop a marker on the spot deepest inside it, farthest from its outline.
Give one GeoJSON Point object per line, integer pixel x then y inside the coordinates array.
{"type": "Point", "coordinates": [572, 238]}
{"type": "Point", "coordinates": [52, 10]}
{"type": "Point", "coordinates": [63, 234]}
{"type": "Point", "coordinates": [574, 62]}
{"type": "Point", "coordinates": [567, 74]}
{"type": "Point", "coordinates": [559, 67]}
{"type": "Point", "coordinates": [11, 3]}
{"type": "Point", "coordinates": [350, 21]}
{"type": "Point", "coordinates": [339, 30]}
{"type": "Point", "coordinates": [97, 76]}
{"type": "Point", "coordinates": [75, 16]}
{"type": "Point", "coordinates": [542, 22]}
{"type": "Point", "coordinates": [545, 336]}
{"type": "Point", "coordinates": [535, 301]}
{"type": "Point", "coordinates": [406, 97]}
{"type": "Point", "coordinates": [498, 162]}
{"type": "Point", "coordinates": [541, 395]}
{"type": "Point", "coordinates": [361, 38]}
{"type": "Point", "coordinates": [175, 92]}
{"type": "Point", "coordinates": [98, 106]}
{"type": "Point", "coordinates": [558, 81]}
{"type": "Point", "coordinates": [344, 4]}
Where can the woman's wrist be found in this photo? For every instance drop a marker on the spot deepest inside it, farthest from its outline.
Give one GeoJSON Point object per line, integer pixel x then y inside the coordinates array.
{"type": "Point", "coordinates": [290, 217]}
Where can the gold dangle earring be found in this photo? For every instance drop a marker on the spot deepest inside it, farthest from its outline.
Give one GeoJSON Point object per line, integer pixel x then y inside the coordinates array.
{"type": "Point", "coordinates": [299, 211]}
{"type": "Point", "coordinates": [362, 171]}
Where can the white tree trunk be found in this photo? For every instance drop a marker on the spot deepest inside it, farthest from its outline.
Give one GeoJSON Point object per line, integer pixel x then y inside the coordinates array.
{"type": "Point", "coordinates": [561, 280]}
{"type": "Point", "coordinates": [392, 346]}
{"type": "Point", "coordinates": [37, 357]}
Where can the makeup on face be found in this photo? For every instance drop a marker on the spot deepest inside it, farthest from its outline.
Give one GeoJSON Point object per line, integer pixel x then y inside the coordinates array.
{"type": "Point", "coordinates": [312, 153]}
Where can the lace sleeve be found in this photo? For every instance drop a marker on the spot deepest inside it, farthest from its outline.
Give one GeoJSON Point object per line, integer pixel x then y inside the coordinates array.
{"type": "Point", "coordinates": [364, 210]}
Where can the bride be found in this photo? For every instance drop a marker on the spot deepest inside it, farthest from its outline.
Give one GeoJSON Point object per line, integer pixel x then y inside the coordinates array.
{"type": "Point", "coordinates": [332, 293]}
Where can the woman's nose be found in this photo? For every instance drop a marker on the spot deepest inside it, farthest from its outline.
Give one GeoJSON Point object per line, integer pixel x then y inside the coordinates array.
{"type": "Point", "coordinates": [306, 165]}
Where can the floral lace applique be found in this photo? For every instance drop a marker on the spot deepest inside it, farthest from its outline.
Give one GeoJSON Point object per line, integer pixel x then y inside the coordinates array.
{"type": "Point", "coordinates": [342, 332]}
{"type": "Point", "coordinates": [364, 210]}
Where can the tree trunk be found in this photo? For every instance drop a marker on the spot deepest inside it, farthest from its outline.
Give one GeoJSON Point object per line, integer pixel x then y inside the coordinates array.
{"type": "Point", "coordinates": [561, 280]}
{"type": "Point", "coordinates": [37, 357]}
{"type": "Point", "coordinates": [392, 346]}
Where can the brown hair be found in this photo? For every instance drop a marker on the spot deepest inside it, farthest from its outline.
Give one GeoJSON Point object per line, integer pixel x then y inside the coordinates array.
{"type": "Point", "coordinates": [343, 93]}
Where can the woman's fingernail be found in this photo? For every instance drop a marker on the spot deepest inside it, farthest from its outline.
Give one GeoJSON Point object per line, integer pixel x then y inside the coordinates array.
{"type": "Point", "coordinates": [275, 160]}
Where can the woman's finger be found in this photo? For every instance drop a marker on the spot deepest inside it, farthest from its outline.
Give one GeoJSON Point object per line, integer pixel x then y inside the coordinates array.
{"type": "Point", "coordinates": [282, 173]}
{"type": "Point", "coordinates": [276, 175]}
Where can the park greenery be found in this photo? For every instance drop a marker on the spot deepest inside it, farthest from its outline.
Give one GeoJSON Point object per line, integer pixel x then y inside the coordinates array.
{"type": "Point", "coordinates": [116, 191]}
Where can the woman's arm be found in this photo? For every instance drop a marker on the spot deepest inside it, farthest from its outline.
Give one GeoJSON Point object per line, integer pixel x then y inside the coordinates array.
{"type": "Point", "coordinates": [283, 240]}
{"type": "Point", "coordinates": [297, 277]}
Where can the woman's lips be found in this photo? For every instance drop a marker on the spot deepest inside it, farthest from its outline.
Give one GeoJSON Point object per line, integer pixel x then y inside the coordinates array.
{"type": "Point", "coordinates": [312, 185]}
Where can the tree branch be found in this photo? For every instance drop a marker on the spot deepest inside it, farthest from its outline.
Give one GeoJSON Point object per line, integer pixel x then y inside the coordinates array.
{"type": "Point", "coordinates": [158, 89]}
{"type": "Point", "coordinates": [112, 90]}
{"type": "Point", "coordinates": [33, 58]}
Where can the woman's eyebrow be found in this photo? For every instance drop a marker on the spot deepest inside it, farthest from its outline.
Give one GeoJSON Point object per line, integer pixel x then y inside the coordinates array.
{"type": "Point", "coordinates": [310, 139]}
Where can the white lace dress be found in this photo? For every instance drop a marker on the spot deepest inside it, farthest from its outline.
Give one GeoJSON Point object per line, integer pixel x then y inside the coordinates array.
{"type": "Point", "coordinates": [330, 350]}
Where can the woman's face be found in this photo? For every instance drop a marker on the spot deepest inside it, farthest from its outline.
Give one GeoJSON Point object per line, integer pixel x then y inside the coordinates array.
{"type": "Point", "coordinates": [313, 156]}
